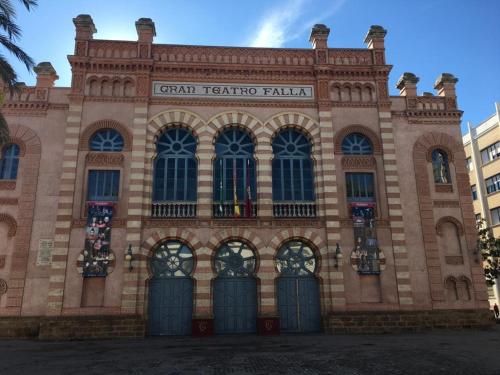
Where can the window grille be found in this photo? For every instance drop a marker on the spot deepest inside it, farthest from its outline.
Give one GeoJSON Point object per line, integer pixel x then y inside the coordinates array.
{"type": "Point", "coordinates": [360, 187]}
{"type": "Point", "coordinates": [103, 185]}
{"type": "Point", "coordinates": [356, 144]}
{"type": "Point", "coordinates": [106, 140]}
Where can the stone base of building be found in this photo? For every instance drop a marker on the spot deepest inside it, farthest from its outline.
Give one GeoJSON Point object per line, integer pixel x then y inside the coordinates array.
{"type": "Point", "coordinates": [353, 322]}
{"type": "Point", "coordinates": [72, 327]}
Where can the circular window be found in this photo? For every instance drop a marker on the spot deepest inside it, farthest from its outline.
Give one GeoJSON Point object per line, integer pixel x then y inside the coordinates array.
{"type": "Point", "coordinates": [295, 258]}
{"type": "Point", "coordinates": [235, 259]}
{"type": "Point", "coordinates": [172, 259]}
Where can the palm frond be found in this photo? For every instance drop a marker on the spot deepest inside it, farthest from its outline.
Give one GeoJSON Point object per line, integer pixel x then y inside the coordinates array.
{"type": "Point", "coordinates": [17, 51]}
{"type": "Point", "coordinates": [7, 9]}
{"type": "Point", "coordinates": [4, 131]}
{"type": "Point", "coordinates": [28, 4]}
{"type": "Point", "coordinates": [7, 73]}
{"type": "Point", "coordinates": [6, 23]}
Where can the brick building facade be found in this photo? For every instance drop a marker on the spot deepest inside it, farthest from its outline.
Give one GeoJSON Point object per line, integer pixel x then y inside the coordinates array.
{"type": "Point", "coordinates": [245, 189]}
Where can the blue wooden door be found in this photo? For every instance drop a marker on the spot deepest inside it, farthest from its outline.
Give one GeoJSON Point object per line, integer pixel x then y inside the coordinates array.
{"type": "Point", "coordinates": [235, 305]}
{"type": "Point", "coordinates": [170, 306]}
{"type": "Point", "coordinates": [299, 304]}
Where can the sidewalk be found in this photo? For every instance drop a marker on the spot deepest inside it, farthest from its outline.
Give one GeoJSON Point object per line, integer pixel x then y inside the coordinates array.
{"type": "Point", "coordinates": [438, 352]}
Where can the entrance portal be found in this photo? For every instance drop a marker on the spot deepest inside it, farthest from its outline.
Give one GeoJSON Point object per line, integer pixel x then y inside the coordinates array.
{"type": "Point", "coordinates": [235, 289]}
{"type": "Point", "coordinates": [298, 289]}
{"type": "Point", "coordinates": [171, 290]}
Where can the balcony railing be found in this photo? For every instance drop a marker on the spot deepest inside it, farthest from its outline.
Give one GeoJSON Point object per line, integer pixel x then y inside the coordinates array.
{"type": "Point", "coordinates": [294, 209]}
{"type": "Point", "coordinates": [177, 209]}
{"type": "Point", "coordinates": [226, 210]}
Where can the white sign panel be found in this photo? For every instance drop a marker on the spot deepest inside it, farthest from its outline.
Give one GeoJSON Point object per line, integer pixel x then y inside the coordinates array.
{"type": "Point", "coordinates": [45, 248]}
{"type": "Point", "coordinates": [232, 91]}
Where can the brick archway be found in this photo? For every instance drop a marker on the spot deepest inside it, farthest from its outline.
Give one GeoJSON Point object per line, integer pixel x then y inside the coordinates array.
{"type": "Point", "coordinates": [421, 150]}
{"type": "Point", "coordinates": [11, 224]}
{"type": "Point", "coordinates": [342, 133]}
{"type": "Point", "coordinates": [89, 131]}
{"type": "Point", "coordinates": [21, 227]}
{"type": "Point", "coordinates": [449, 219]}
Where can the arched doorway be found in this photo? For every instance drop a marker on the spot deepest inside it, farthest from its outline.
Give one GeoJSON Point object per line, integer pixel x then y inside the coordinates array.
{"type": "Point", "coordinates": [171, 289]}
{"type": "Point", "coordinates": [235, 289]}
{"type": "Point", "coordinates": [298, 288]}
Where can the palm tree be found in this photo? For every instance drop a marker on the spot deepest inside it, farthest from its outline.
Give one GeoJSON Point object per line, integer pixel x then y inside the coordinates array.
{"type": "Point", "coordinates": [9, 34]}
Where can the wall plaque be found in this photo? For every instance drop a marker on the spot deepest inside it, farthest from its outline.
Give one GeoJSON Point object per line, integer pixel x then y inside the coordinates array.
{"type": "Point", "coordinates": [45, 248]}
{"type": "Point", "coordinates": [232, 91]}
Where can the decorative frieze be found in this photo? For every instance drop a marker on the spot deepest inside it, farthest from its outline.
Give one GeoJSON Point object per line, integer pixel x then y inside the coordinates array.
{"type": "Point", "coordinates": [358, 162]}
{"type": "Point", "coordinates": [107, 159]}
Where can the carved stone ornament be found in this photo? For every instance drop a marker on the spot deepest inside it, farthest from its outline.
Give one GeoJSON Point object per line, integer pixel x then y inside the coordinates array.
{"type": "Point", "coordinates": [3, 287]}
{"type": "Point", "coordinates": [358, 162]}
{"type": "Point", "coordinates": [104, 159]}
{"type": "Point", "coordinates": [86, 261]}
{"type": "Point", "coordinates": [8, 185]}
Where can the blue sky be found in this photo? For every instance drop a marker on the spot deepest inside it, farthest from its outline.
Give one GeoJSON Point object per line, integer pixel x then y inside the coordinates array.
{"type": "Point", "coordinates": [426, 37]}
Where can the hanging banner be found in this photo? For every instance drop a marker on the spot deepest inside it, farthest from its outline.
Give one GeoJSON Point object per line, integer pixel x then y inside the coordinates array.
{"type": "Point", "coordinates": [97, 254]}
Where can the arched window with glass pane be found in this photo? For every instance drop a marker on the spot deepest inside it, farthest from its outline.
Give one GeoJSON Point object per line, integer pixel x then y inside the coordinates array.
{"type": "Point", "coordinates": [175, 167]}
{"type": "Point", "coordinates": [440, 167]}
{"type": "Point", "coordinates": [234, 187]}
{"type": "Point", "coordinates": [292, 167]}
{"type": "Point", "coordinates": [107, 140]}
{"type": "Point", "coordinates": [9, 162]}
{"type": "Point", "coordinates": [172, 259]}
{"type": "Point", "coordinates": [356, 144]}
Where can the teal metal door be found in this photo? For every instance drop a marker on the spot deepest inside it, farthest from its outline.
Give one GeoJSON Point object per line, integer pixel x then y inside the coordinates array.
{"type": "Point", "coordinates": [298, 288]}
{"type": "Point", "coordinates": [298, 304]}
{"type": "Point", "coordinates": [170, 290]}
{"type": "Point", "coordinates": [235, 305]}
{"type": "Point", "coordinates": [235, 289]}
{"type": "Point", "coordinates": [170, 306]}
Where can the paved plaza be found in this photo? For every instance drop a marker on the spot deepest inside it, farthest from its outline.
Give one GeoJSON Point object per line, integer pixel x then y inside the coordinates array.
{"type": "Point", "coordinates": [438, 352]}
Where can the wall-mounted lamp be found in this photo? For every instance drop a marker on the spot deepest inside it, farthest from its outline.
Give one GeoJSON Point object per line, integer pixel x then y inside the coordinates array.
{"type": "Point", "coordinates": [129, 257]}
{"type": "Point", "coordinates": [337, 256]}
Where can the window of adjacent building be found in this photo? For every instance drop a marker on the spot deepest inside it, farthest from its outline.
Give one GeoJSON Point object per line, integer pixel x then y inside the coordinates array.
{"type": "Point", "coordinates": [356, 144]}
{"type": "Point", "coordinates": [234, 169]}
{"type": "Point", "coordinates": [470, 166]}
{"type": "Point", "coordinates": [478, 217]}
{"type": "Point", "coordinates": [360, 187]}
{"type": "Point", "coordinates": [292, 167]}
{"type": "Point", "coordinates": [495, 216]}
{"type": "Point", "coordinates": [106, 140]}
{"type": "Point", "coordinates": [175, 166]}
{"type": "Point", "coordinates": [473, 189]}
{"type": "Point", "coordinates": [490, 153]}
{"type": "Point", "coordinates": [440, 167]}
{"type": "Point", "coordinates": [9, 162]}
{"type": "Point", "coordinates": [492, 184]}
{"type": "Point", "coordinates": [103, 185]}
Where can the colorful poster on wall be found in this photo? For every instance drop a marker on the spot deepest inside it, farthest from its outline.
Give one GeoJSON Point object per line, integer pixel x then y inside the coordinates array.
{"type": "Point", "coordinates": [366, 256]}
{"type": "Point", "coordinates": [97, 254]}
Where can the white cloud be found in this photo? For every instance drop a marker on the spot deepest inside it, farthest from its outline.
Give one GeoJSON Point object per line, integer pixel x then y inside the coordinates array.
{"type": "Point", "coordinates": [286, 22]}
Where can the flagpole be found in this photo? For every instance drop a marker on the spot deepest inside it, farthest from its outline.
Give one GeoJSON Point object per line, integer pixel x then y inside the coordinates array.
{"type": "Point", "coordinates": [248, 201]}
{"type": "Point", "coordinates": [237, 212]}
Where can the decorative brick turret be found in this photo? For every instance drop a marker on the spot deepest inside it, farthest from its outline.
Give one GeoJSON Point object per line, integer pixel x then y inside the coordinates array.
{"type": "Point", "coordinates": [407, 84]}
{"type": "Point", "coordinates": [85, 30]}
{"type": "Point", "coordinates": [445, 85]}
{"type": "Point", "coordinates": [319, 36]}
{"type": "Point", "coordinates": [374, 39]}
{"type": "Point", "coordinates": [46, 75]}
{"type": "Point", "coordinates": [145, 33]}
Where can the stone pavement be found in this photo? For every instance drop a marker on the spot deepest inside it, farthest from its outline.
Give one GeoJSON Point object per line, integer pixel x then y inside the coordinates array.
{"type": "Point", "coordinates": [437, 352]}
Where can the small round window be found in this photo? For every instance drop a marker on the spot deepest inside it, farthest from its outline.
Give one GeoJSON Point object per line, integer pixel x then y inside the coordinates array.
{"type": "Point", "coordinates": [172, 259]}
{"type": "Point", "coordinates": [356, 144]}
{"type": "Point", "coordinates": [295, 258]}
{"type": "Point", "coordinates": [235, 259]}
{"type": "Point", "coordinates": [107, 140]}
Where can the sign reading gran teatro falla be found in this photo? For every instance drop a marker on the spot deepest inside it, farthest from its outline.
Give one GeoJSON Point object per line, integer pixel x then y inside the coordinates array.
{"type": "Point", "coordinates": [232, 91]}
